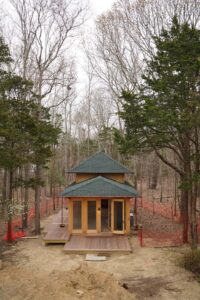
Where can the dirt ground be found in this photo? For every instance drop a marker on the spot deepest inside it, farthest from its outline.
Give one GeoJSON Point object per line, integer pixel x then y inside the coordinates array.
{"type": "Point", "coordinates": [34, 271]}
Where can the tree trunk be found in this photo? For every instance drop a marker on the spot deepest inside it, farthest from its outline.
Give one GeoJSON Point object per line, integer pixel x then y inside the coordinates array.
{"type": "Point", "coordinates": [25, 203]}
{"type": "Point", "coordinates": [51, 185]}
{"type": "Point", "coordinates": [38, 172]}
{"type": "Point", "coordinates": [193, 219]}
{"type": "Point", "coordinates": [5, 191]}
{"type": "Point", "coordinates": [184, 214]}
{"type": "Point", "coordinates": [53, 178]}
{"type": "Point", "coordinates": [155, 172]}
{"type": "Point", "coordinates": [194, 196]}
{"type": "Point", "coordinates": [9, 229]}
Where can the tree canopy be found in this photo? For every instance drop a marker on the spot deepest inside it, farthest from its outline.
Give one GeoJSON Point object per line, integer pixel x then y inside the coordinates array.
{"type": "Point", "coordinates": [165, 112]}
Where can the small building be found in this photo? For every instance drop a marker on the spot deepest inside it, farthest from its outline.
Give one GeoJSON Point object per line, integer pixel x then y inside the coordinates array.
{"type": "Point", "coordinates": [99, 199]}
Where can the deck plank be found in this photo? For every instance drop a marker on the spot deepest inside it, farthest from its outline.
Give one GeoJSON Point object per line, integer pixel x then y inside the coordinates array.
{"type": "Point", "coordinates": [84, 244]}
{"type": "Point", "coordinates": [55, 233]}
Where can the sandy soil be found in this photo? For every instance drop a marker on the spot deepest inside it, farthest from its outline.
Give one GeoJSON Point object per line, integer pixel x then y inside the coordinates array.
{"type": "Point", "coordinates": [34, 271]}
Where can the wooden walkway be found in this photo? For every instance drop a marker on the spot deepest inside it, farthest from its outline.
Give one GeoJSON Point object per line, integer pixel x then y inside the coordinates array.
{"type": "Point", "coordinates": [86, 244]}
{"type": "Point", "coordinates": [54, 233]}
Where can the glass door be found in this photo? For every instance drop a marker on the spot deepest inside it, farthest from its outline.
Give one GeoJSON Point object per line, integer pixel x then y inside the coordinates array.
{"type": "Point", "coordinates": [91, 216]}
{"type": "Point", "coordinates": [118, 216]}
{"type": "Point", "coordinates": [77, 215]}
{"type": "Point", "coordinates": [105, 215]}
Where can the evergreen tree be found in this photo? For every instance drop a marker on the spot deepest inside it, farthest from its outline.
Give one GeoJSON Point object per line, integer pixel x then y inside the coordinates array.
{"type": "Point", "coordinates": [24, 138]}
{"type": "Point", "coordinates": [165, 112]}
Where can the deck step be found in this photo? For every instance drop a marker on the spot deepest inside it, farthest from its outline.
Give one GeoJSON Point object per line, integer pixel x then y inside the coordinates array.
{"type": "Point", "coordinates": [83, 244]}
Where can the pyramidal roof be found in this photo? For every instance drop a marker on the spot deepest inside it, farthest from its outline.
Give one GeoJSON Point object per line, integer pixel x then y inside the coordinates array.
{"type": "Point", "coordinates": [100, 163]}
{"type": "Point", "coordinates": [100, 187]}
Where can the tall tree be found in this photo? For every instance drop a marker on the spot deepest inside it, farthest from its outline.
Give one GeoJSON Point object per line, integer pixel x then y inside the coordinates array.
{"type": "Point", "coordinates": [24, 138]}
{"type": "Point", "coordinates": [165, 113]}
{"type": "Point", "coordinates": [46, 30]}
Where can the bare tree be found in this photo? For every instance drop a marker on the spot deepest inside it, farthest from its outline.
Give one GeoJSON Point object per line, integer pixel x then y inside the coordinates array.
{"type": "Point", "coordinates": [46, 29]}
{"type": "Point", "coordinates": [142, 20]}
{"type": "Point", "coordinates": [124, 38]}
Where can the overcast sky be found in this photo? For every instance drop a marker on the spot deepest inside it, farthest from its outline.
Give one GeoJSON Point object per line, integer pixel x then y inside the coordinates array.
{"type": "Point", "coordinates": [99, 6]}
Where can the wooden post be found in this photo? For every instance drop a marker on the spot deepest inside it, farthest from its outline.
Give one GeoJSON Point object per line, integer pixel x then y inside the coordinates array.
{"type": "Point", "coordinates": [9, 226]}
{"type": "Point", "coordinates": [112, 215]}
{"type": "Point", "coordinates": [54, 202]}
{"type": "Point", "coordinates": [46, 207]}
{"type": "Point", "coordinates": [62, 213]}
{"type": "Point", "coordinates": [175, 195]}
{"type": "Point", "coordinates": [70, 215]}
{"type": "Point", "coordinates": [84, 216]}
{"type": "Point", "coordinates": [153, 207]}
{"type": "Point", "coordinates": [140, 236]}
{"type": "Point", "coordinates": [135, 214]}
{"type": "Point", "coordinates": [62, 223]}
{"type": "Point", "coordinates": [127, 216]}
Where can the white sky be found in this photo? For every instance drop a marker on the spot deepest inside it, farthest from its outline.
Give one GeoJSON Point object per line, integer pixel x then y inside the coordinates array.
{"type": "Point", "coordinates": [99, 6]}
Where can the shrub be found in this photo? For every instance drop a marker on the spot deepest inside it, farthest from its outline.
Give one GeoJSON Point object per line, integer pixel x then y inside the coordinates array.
{"type": "Point", "coordinates": [191, 261]}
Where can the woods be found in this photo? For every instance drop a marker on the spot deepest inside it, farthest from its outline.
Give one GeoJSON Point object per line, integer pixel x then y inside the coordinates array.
{"type": "Point", "coordinates": [137, 99]}
{"type": "Point", "coordinates": [100, 149]}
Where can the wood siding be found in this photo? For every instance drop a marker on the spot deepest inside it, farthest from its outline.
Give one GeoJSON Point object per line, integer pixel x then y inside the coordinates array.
{"type": "Point", "coordinates": [81, 177]}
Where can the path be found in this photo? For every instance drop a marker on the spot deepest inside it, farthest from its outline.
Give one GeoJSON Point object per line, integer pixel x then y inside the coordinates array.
{"type": "Point", "coordinates": [34, 271]}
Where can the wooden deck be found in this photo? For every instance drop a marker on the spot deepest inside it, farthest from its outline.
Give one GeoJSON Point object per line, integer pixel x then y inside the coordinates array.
{"type": "Point", "coordinates": [103, 243]}
{"type": "Point", "coordinates": [85, 244]}
{"type": "Point", "coordinates": [54, 233]}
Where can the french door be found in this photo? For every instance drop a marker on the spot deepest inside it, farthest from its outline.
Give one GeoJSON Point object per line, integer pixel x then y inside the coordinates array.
{"type": "Point", "coordinates": [95, 216]}
{"type": "Point", "coordinates": [91, 216]}
{"type": "Point", "coordinates": [117, 216]}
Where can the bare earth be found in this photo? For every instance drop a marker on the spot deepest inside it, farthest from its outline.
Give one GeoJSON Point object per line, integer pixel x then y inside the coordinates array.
{"type": "Point", "coordinates": [34, 271]}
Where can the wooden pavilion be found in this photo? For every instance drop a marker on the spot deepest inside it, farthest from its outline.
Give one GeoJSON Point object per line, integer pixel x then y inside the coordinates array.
{"type": "Point", "coordinates": [99, 199]}
{"type": "Point", "coordinates": [98, 205]}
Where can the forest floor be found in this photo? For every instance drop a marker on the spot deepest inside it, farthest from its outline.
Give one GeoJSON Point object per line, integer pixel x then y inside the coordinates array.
{"type": "Point", "coordinates": [34, 271]}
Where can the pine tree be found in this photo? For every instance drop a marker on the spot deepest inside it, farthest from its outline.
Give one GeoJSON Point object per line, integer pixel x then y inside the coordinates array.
{"type": "Point", "coordinates": [165, 112]}
{"type": "Point", "coordinates": [24, 138]}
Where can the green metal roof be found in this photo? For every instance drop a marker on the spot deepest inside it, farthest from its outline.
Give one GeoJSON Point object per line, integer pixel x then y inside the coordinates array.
{"type": "Point", "coordinates": [100, 187]}
{"type": "Point", "coordinates": [100, 163]}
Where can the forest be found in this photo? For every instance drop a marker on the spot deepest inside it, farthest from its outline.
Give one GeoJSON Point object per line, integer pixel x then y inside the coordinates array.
{"type": "Point", "coordinates": [129, 85]}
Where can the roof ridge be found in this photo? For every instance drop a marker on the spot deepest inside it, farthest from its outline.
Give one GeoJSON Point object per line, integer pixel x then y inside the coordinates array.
{"type": "Point", "coordinates": [84, 160]}
{"type": "Point", "coordinates": [97, 157]}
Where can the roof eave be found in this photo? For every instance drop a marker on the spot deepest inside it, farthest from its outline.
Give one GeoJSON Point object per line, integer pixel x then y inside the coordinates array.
{"type": "Point", "coordinates": [87, 172]}
{"type": "Point", "coordinates": [93, 196]}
